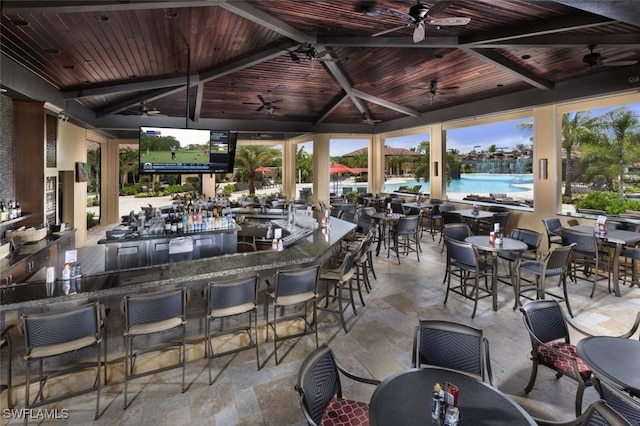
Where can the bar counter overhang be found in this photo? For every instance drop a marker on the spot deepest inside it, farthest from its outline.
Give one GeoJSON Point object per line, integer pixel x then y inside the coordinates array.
{"type": "Point", "coordinates": [34, 295]}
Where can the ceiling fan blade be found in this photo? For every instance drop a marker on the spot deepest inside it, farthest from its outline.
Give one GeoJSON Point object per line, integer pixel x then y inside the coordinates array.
{"type": "Point", "coordinates": [261, 99]}
{"type": "Point", "coordinates": [449, 22]}
{"type": "Point", "coordinates": [250, 103]}
{"type": "Point", "coordinates": [153, 112]}
{"type": "Point", "coordinates": [618, 63]}
{"type": "Point", "coordinates": [399, 14]}
{"type": "Point", "coordinates": [275, 101]}
{"type": "Point", "coordinates": [418, 33]}
{"type": "Point", "coordinates": [260, 108]}
{"type": "Point", "coordinates": [274, 107]}
{"type": "Point", "coordinates": [390, 30]}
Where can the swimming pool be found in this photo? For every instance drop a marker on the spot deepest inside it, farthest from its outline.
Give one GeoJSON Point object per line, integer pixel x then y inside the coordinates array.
{"type": "Point", "coordinates": [476, 183]}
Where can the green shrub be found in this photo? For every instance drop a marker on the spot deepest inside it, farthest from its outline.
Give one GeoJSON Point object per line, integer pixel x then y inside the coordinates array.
{"type": "Point", "coordinates": [91, 220]}
{"type": "Point", "coordinates": [602, 200]}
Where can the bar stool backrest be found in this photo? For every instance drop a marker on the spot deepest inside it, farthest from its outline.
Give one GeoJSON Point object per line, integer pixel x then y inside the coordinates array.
{"type": "Point", "coordinates": [59, 328]}
{"type": "Point", "coordinates": [235, 293]}
{"type": "Point", "coordinates": [150, 308]}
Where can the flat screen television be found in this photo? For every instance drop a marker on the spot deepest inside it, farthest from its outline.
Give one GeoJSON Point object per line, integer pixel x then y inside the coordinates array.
{"type": "Point", "coordinates": [165, 150]}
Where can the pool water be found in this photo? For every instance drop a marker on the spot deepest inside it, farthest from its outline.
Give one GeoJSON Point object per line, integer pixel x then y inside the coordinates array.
{"type": "Point", "coordinates": [476, 183]}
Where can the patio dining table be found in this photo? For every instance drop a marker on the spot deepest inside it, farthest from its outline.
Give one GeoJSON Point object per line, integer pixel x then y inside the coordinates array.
{"type": "Point", "coordinates": [405, 399]}
{"type": "Point", "coordinates": [474, 218]}
{"type": "Point", "coordinates": [385, 220]}
{"type": "Point", "coordinates": [619, 238]}
{"type": "Point", "coordinates": [482, 242]}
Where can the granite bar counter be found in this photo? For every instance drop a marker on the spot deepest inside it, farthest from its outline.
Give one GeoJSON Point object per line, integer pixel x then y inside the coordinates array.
{"type": "Point", "coordinates": [134, 280]}
{"type": "Point", "coordinates": [109, 288]}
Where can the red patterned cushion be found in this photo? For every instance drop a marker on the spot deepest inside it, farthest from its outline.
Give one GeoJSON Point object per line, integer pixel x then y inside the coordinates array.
{"type": "Point", "coordinates": [561, 363]}
{"type": "Point", "coordinates": [346, 412]}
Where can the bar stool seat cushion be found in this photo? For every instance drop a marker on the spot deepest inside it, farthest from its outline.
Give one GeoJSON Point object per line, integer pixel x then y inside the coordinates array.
{"type": "Point", "coordinates": [153, 327]}
{"type": "Point", "coordinates": [232, 310]}
{"type": "Point", "coordinates": [60, 348]}
{"type": "Point", "coordinates": [294, 298]}
{"type": "Point", "coordinates": [346, 412]}
{"type": "Point", "coordinates": [561, 363]}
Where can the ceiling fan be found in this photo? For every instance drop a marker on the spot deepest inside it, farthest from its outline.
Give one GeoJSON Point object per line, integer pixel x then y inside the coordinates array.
{"type": "Point", "coordinates": [419, 15]}
{"type": "Point", "coordinates": [593, 59]}
{"type": "Point", "coordinates": [264, 105]}
{"type": "Point", "coordinates": [366, 119]}
{"type": "Point", "coordinates": [143, 110]}
{"type": "Point", "coordinates": [433, 90]}
{"type": "Point", "coordinates": [310, 53]}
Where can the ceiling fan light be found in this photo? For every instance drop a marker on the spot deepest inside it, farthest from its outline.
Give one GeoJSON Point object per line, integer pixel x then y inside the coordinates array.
{"type": "Point", "coordinates": [418, 33]}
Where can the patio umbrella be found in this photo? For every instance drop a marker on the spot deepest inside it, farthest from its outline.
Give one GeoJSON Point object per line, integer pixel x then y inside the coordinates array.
{"type": "Point", "coordinates": [337, 169]}
{"type": "Point", "coordinates": [263, 169]}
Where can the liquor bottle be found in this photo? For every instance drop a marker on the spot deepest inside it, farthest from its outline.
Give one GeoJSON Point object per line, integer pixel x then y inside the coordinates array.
{"type": "Point", "coordinates": [18, 209]}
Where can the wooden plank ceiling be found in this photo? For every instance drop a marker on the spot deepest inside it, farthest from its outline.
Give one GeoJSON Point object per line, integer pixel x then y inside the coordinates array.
{"type": "Point", "coordinates": [122, 60]}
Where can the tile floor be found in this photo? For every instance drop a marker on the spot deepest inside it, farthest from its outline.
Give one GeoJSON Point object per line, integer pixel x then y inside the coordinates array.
{"type": "Point", "coordinates": [378, 344]}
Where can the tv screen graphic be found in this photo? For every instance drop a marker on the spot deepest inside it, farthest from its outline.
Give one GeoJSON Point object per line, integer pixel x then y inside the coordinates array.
{"type": "Point", "coordinates": [171, 150]}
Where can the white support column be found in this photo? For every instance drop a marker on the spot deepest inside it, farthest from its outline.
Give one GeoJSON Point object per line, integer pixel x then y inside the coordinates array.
{"type": "Point", "coordinates": [437, 156]}
{"type": "Point", "coordinates": [321, 159]}
{"type": "Point", "coordinates": [289, 169]}
{"type": "Point", "coordinates": [547, 134]}
{"type": "Point", "coordinates": [376, 164]}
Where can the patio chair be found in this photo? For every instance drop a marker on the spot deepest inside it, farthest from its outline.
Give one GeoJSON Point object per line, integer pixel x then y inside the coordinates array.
{"type": "Point", "coordinates": [590, 255]}
{"type": "Point", "coordinates": [623, 403]}
{"type": "Point", "coordinates": [465, 264]}
{"type": "Point", "coordinates": [555, 263]}
{"type": "Point", "coordinates": [553, 226]}
{"type": "Point", "coordinates": [452, 345]}
{"type": "Point", "coordinates": [320, 391]}
{"type": "Point", "coordinates": [404, 235]}
{"type": "Point", "coordinates": [598, 413]}
{"type": "Point", "coordinates": [551, 345]}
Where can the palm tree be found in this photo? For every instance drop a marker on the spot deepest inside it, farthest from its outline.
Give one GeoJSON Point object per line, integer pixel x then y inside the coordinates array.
{"type": "Point", "coordinates": [128, 165]}
{"type": "Point", "coordinates": [616, 147]}
{"type": "Point", "coordinates": [304, 163]}
{"type": "Point", "coordinates": [577, 130]}
{"type": "Point", "coordinates": [422, 168]}
{"type": "Point", "coordinates": [249, 158]}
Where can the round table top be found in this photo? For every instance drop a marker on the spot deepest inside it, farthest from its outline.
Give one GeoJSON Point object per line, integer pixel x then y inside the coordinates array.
{"type": "Point", "coordinates": [385, 216]}
{"type": "Point", "coordinates": [508, 244]}
{"type": "Point", "coordinates": [405, 399]}
{"type": "Point", "coordinates": [613, 359]}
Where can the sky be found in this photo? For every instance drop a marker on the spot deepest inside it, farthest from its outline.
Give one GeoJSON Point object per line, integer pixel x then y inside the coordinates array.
{"type": "Point", "coordinates": [504, 134]}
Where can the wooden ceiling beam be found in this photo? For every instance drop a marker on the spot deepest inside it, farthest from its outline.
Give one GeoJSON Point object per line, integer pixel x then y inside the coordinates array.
{"type": "Point", "coordinates": [243, 9]}
{"type": "Point", "coordinates": [389, 105]}
{"type": "Point", "coordinates": [542, 27]}
{"type": "Point", "coordinates": [335, 103]}
{"type": "Point", "coordinates": [501, 62]}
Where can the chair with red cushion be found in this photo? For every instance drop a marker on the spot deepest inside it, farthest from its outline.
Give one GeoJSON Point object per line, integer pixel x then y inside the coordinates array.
{"type": "Point", "coordinates": [551, 346]}
{"type": "Point", "coordinates": [320, 392]}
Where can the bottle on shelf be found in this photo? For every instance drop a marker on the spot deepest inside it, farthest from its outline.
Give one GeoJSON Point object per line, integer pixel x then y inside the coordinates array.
{"type": "Point", "coordinates": [18, 209]}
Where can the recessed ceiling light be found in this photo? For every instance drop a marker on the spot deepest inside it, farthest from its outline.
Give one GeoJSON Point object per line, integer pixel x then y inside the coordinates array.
{"type": "Point", "coordinates": [171, 15]}
{"type": "Point", "coordinates": [101, 18]}
{"type": "Point", "coordinates": [410, 69]}
{"type": "Point", "coordinates": [52, 51]}
{"type": "Point", "coordinates": [20, 23]}
{"type": "Point", "coordinates": [88, 61]}
{"type": "Point", "coordinates": [69, 67]}
{"type": "Point", "coordinates": [525, 57]}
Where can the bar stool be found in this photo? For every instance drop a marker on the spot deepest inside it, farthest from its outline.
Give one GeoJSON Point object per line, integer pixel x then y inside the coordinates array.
{"type": "Point", "coordinates": [147, 314]}
{"type": "Point", "coordinates": [293, 287]}
{"type": "Point", "coordinates": [55, 334]}
{"type": "Point", "coordinates": [339, 280]}
{"type": "Point", "coordinates": [5, 342]}
{"type": "Point", "coordinates": [226, 299]}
